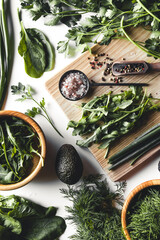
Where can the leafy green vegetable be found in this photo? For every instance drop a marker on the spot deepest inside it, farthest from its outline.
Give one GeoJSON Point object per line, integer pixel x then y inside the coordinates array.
{"type": "Point", "coordinates": [6, 53]}
{"type": "Point", "coordinates": [144, 216]}
{"type": "Point", "coordinates": [22, 219]}
{"type": "Point", "coordinates": [18, 141]}
{"type": "Point", "coordinates": [93, 211]}
{"type": "Point", "coordinates": [108, 117]}
{"type": "Point", "coordinates": [103, 23]}
{"type": "Point", "coordinates": [27, 93]}
{"type": "Point", "coordinates": [36, 50]}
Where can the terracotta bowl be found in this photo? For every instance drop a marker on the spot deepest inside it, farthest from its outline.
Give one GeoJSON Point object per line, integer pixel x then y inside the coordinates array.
{"type": "Point", "coordinates": [128, 200]}
{"type": "Point", "coordinates": [37, 162]}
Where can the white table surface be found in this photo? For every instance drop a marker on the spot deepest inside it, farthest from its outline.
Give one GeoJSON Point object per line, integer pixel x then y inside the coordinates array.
{"type": "Point", "coordinates": [44, 189]}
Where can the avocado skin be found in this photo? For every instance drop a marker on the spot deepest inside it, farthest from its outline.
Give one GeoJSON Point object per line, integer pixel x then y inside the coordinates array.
{"type": "Point", "coordinates": [69, 167]}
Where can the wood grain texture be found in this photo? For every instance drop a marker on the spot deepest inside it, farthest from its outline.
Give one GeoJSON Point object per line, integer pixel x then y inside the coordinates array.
{"type": "Point", "coordinates": [117, 50]}
{"type": "Point", "coordinates": [128, 200]}
{"type": "Point", "coordinates": [37, 162]}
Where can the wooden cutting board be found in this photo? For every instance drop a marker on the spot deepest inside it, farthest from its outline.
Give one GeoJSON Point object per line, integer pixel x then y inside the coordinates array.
{"type": "Point", "coordinates": [116, 50]}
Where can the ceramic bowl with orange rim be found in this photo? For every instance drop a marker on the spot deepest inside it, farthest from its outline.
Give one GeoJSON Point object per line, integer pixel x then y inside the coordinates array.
{"type": "Point", "coordinates": [132, 198]}
{"type": "Point", "coordinates": [37, 161]}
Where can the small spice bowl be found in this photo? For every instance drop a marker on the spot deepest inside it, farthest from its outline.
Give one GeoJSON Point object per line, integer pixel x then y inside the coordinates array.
{"type": "Point", "coordinates": [37, 160]}
{"type": "Point", "coordinates": [132, 198]}
{"type": "Point", "coordinates": [74, 85]}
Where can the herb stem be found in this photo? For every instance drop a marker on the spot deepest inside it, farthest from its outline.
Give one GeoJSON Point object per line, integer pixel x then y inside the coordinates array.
{"type": "Point", "coordinates": [132, 41]}
{"type": "Point", "coordinates": [147, 10]}
{"type": "Point", "coordinates": [46, 116]}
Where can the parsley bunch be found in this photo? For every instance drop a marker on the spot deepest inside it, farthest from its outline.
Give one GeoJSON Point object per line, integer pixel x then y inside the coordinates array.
{"type": "Point", "coordinates": [107, 20]}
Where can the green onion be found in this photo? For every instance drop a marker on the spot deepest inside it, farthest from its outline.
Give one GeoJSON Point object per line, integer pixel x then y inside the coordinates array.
{"type": "Point", "coordinates": [5, 54]}
{"type": "Point", "coordinates": [137, 148]}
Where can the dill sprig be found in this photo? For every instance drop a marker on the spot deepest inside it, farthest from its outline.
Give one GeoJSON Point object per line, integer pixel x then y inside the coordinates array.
{"type": "Point", "coordinates": [95, 211]}
{"type": "Point", "coordinates": [144, 217]}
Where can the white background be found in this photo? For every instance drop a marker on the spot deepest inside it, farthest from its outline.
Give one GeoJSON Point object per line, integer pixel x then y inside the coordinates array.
{"type": "Point", "coordinates": [44, 189]}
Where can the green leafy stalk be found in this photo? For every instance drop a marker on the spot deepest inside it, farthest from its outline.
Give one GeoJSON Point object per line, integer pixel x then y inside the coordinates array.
{"type": "Point", "coordinates": [27, 93]}
{"type": "Point", "coordinates": [5, 53]}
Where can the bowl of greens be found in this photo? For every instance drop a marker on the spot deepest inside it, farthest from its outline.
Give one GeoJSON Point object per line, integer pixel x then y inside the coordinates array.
{"type": "Point", "coordinates": [22, 149]}
{"type": "Point", "coordinates": [140, 213]}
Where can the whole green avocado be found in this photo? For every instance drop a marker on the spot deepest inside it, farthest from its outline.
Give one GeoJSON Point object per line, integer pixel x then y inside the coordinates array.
{"type": "Point", "coordinates": [69, 167]}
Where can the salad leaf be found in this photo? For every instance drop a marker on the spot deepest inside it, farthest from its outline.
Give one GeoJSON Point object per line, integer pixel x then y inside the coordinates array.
{"type": "Point", "coordinates": [22, 219]}
{"type": "Point", "coordinates": [16, 154]}
{"type": "Point", "coordinates": [36, 50]}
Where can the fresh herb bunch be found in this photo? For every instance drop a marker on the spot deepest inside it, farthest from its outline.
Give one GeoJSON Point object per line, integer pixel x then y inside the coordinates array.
{"type": "Point", "coordinates": [18, 142]}
{"type": "Point", "coordinates": [144, 216]}
{"type": "Point", "coordinates": [93, 212]}
{"type": "Point", "coordinates": [22, 219]}
{"type": "Point", "coordinates": [110, 116]}
{"type": "Point", "coordinates": [6, 51]}
{"type": "Point", "coordinates": [107, 20]}
{"type": "Point", "coordinates": [67, 12]}
{"type": "Point", "coordinates": [27, 93]}
{"type": "Point", "coordinates": [36, 50]}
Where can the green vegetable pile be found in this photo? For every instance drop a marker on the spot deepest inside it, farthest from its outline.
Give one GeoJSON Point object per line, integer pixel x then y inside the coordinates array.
{"type": "Point", "coordinates": [36, 50]}
{"type": "Point", "coordinates": [107, 20]}
{"type": "Point", "coordinates": [21, 219]}
{"type": "Point", "coordinates": [108, 117]}
{"type": "Point", "coordinates": [93, 212]}
{"type": "Point", "coordinates": [144, 216]}
{"type": "Point", "coordinates": [18, 142]}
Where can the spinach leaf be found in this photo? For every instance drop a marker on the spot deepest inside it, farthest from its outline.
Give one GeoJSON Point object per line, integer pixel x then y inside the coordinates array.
{"type": "Point", "coordinates": [22, 219]}
{"type": "Point", "coordinates": [47, 228]}
{"type": "Point", "coordinates": [10, 223]}
{"type": "Point", "coordinates": [19, 207]}
{"type": "Point", "coordinates": [36, 50]}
